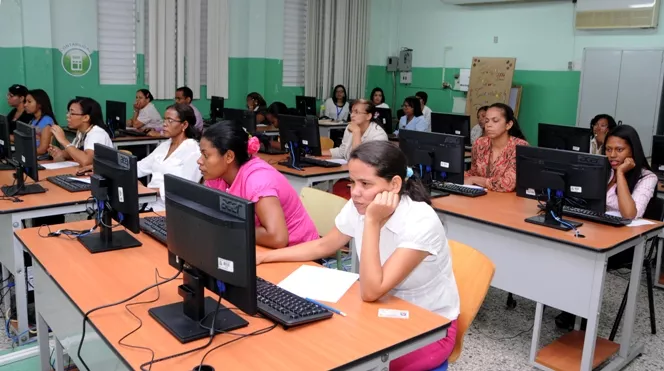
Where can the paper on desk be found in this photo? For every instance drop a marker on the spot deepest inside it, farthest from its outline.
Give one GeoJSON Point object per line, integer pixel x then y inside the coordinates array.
{"type": "Point", "coordinates": [59, 165]}
{"type": "Point", "coordinates": [340, 161]}
{"type": "Point", "coordinates": [640, 222]}
{"type": "Point", "coordinates": [85, 180]}
{"type": "Point", "coordinates": [319, 283]}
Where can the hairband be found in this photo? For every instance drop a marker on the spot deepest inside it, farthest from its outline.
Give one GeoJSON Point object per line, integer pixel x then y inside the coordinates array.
{"type": "Point", "coordinates": [409, 173]}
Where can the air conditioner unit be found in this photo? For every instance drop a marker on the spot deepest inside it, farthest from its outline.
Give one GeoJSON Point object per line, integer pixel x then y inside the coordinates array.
{"type": "Point", "coordinates": [606, 14]}
{"type": "Point", "coordinates": [493, 2]}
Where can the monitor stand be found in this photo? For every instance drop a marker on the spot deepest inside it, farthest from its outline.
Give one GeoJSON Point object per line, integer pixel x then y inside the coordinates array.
{"type": "Point", "coordinates": [20, 188]}
{"type": "Point", "coordinates": [553, 205]}
{"type": "Point", "coordinates": [183, 319]}
{"type": "Point", "coordinates": [107, 239]}
{"type": "Point", "coordinates": [293, 160]}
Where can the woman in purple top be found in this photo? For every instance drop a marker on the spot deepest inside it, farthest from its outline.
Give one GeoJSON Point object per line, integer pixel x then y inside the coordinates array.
{"type": "Point", "coordinates": [227, 163]}
{"type": "Point", "coordinates": [38, 104]}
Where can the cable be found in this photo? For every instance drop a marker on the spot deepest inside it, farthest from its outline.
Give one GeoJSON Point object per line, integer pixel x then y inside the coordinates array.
{"type": "Point", "coordinates": [240, 337]}
{"type": "Point", "coordinates": [87, 314]}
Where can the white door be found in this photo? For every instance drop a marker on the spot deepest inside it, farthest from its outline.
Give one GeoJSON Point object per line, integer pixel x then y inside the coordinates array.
{"type": "Point", "coordinates": [639, 92]}
{"type": "Point", "coordinates": [600, 75]}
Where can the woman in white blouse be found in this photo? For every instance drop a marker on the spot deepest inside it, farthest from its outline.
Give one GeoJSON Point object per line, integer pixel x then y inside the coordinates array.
{"type": "Point", "coordinates": [146, 117]}
{"type": "Point", "coordinates": [176, 156]}
{"type": "Point", "coordinates": [378, 98]}
{"type": "Point", "coordinates": [337, 107]}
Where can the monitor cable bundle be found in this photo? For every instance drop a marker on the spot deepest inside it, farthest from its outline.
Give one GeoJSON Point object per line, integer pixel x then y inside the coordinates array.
{"type": "Point", "coordinates": [553, 209]}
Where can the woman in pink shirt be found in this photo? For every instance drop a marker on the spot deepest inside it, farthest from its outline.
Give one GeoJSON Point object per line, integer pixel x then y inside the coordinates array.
{"type": "Point", "coordinates": [228, 163]}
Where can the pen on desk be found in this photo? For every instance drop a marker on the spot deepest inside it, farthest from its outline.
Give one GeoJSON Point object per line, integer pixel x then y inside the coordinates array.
{"type": "Point", "coordinates": [327, 307]}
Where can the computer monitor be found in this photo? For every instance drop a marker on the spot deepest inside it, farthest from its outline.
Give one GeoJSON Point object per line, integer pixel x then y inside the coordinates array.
{"type": "Point", "coordinates": [5, 139]}
{"type": "Point", "coordinates": [299, 135]}
{"type": "Point", "coordinates": [116, 115]}
{"type": "Point", "coordinates": [385, 119]}
{"type": "Point", "coordinates": [560, 177]}
{"type": "Point", "coordinates": [216, 108]}
{"type": "Point", "coordinates": [212, 235]}
{"type": "Point", "coordinates": [657, 161]}
{"type": "Point", "coordinates": [25, 161]}
{"type": "Point", "coordinates": [447, 123]}
{"type": "Point", "coordinates": [570, 138]}
{"type": "Point", "coordinates": [114, 187]}
{"type": "Point", "coordinates": [434, 156]}
{"type": "Point", "coordinates": [245, 117]}
{"type": "Point", "coordinates": [305, 106]}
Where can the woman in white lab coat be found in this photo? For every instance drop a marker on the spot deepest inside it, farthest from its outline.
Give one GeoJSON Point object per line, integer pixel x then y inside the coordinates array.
{"type": "Point", "coordinates": [336, 107]}
{"type": "Point", "coordinates": [176, 156]}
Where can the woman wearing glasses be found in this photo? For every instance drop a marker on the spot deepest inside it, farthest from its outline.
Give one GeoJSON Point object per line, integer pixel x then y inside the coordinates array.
{"type": "Point", "coordinates": [359, 130]}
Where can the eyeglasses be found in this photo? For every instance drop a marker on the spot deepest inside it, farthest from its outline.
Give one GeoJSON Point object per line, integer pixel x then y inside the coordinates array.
{"type": "Point", "coordinates": [359, 113]}
{"type": "Point", "coordinates": [70, 113]}
{"type": "Point", "coordinates": [170, 121]}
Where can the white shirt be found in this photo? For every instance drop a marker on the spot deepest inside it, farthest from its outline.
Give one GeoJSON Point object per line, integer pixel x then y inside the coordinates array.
{"type": "Point", "coordinates": [426, 112]}
{"type": "Point", "coordinates": [150, 117]}
{"type": "Point", "coordinates": [334, 112]}
{"type": "Point", "coordinates": [182, 163]}
{"type": "Point", "coordinates": [94, 135]}
{"type": "Point", "coordinates": [373, 132]}
{"type": "Point", "coordinates": [414, 225]}
{"type": "Point", "coordinates": [383, 105]}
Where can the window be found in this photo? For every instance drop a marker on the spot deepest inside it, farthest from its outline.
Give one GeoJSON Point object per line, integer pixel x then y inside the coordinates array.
{"type": "Point", "coordinates": [117, 42]}
{"type": "Point", "coordinates": [295, 31]}
{"type": "Point", "coordinates": [204, 40]}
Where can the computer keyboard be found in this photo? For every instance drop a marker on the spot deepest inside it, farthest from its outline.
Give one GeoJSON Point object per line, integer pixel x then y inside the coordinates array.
{"type": "Point", "coordinates": [154, 226]}
{"type": "Point", "coordinates": [457, 189]}
{"type": "Point", "coordinates": [593, 216]}
{"type": "Point", "coordinates": [286, 308]}
{"type": "Point", "coordinates": [70, 185]}
{"type": "Point", "coordinates": [132, 133]}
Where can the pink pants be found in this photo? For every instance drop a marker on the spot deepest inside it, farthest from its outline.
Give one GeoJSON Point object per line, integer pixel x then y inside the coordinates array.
{"type": "Point", "coordinates": [428, 357]}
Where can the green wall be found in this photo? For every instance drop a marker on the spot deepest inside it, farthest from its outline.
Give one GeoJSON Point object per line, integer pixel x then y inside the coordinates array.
{"type": "Point", "coordinates": [548, 96]}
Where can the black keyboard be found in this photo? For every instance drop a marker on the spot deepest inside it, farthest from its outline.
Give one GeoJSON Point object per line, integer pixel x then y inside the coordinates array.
{"type": "Point", "coordinates": [286, 308]}
{"type": "Point", "coordinates": [155, 226]}
{"type": "Point", "coordinates": [272, 151]}
{"type": "Point", "coordinates": [310, 161]}
{"type": "Point", "coordinates": [132, 133]}
{"type": "Point", "coordinates": [593, 216]}
{"type": "Point", "coordinates": [457, 189]}
{"type": "Point", "coordinates": [70, 185]}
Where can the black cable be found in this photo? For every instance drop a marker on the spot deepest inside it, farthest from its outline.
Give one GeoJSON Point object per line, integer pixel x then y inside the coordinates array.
{"type": "Point", "coordinates": [87, 314]}
{"type": "Point", "coordinates": [240, 337]}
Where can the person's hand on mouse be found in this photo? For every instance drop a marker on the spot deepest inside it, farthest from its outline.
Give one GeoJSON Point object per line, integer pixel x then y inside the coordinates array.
{"type": "Point", "coordinates": [56, 153]}
{"type": "Point", "coordinates": [84, 170]}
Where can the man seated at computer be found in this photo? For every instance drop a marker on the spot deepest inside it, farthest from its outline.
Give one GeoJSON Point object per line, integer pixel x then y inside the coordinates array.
{"type": "Point", "coordinates": [360, 129]}
{"type": "Point", "coordinates": [227, 163]}
{"type": "Point", "coordinates": [84, 115]}
{"type": "Point", "coordinates": [184, 95]}
{"type": "Point", "coordinates": [493, 164]}
{"type": "Point", "coordinates": [401, 244]}
{"type": "Point", "coordinates": [600, 125]}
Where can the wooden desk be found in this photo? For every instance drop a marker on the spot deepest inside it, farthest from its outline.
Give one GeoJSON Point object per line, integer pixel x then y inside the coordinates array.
{"type": "Point", "coordinates": [56, 201]}
{"type": "Point", "coordinates": [309, 175]}
{"type": "Point", "coordinates": [552, 268]}
{"type": "Point", "coordinates": [64, 291]}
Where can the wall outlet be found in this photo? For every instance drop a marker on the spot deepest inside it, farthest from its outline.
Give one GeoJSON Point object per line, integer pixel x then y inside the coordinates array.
{"type": "Point", "coordinates": [406, 78]}
{"type": "Point", "coordinates": [495, 39]}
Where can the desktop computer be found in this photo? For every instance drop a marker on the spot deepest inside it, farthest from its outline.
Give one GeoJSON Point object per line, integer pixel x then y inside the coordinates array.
{"type": "Point", "coordinates": [216, 108]}
{"type": "Point", "coordinates": [246, 118]}
{"type": "Point", "coordinates": [570, 138]}
{"type": "Point", "coordinates": [570, 183]}
{"type": "Point", "coordinates": [447, 123]}
{"type": "Point", "coordinates": [657, 160]}
{"type": "Point", "coordinates": [384, 119]}
{"type": "Point", "coordinates": [305, 106]}
{"type": "Point", "coordinates": [25, 162]}
{"type": "Point", "coordinates": [114, 187]}
{"type": "Point", "coordinates": [5, 144]}
{"type": "Point", "coordinates": [299, 135]}
{"type": "Point", "coordinates": [116, 115]}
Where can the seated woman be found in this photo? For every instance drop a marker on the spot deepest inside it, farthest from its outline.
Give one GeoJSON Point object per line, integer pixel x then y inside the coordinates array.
{"type": "Point", "coordinates": [361, 129]}
{"type": "Point", "coordinates": [178, 155]}
{"type": "Point", "coordinates": [478, 130]}
{"type": "Point", "coordinates": [38, 104]}
{"type": "Point", "coordinates": [257, 104]}
{"type": "Point", "coordinates": [600, 126]}
{"type": "Point", "coordinates": [228, 163]}
{"type": "Point", "coordinates": [632, 184]}
{"type": "Point", "coordinates": [412, 118]}
{"type": "Point", "coordinates": [493, 163]}
{"type": "Point", "coordinates": [378, 98]}
{"type": "Point", "coordinates": [146, 117]}
{"type": "Point", "coordinates": [85, 116]}
{"type": "Point", "coordinates": [272, 120]}
{"type": "Point", "coordinates": [336, 107]}
{"type": "Point", "coordinates": [16, 95]}
{"type": "Point", "coordinates": [400, 240]}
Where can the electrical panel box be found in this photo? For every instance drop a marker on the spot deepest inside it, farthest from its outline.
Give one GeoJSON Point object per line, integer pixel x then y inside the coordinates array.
{"type": "Point", "coordinates": [406, 77]}
{"type": "Point", "coordinates": [406, 60]}
{"type": "Point", "coordinates": [392, 64]}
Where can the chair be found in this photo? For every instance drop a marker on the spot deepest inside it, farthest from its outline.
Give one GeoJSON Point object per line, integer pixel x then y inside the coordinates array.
{"type": "Point", "coordinates": [126, 151]}
{"type": "Point", "coordinates": [326, 143]}
{"type": "Point", "coordinates": [473, 272]}
{"type": "Point", "coordinates": [654, 211]}
{"type": "Point", "coordinates": [323, 208]}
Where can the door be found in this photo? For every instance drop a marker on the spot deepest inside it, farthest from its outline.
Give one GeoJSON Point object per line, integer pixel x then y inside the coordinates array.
{"type": "Point", "coordinates": [599, 84]}
{"type": "Point", "coordinates": [639, 92]}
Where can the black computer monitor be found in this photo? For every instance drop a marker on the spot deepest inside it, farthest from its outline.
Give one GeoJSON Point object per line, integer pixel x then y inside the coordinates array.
{"type": "Point", "coordinates": [299, 135]}
{"type": "Point", "coordinates": [245, 117]}
{"type": "Point", "coordinates": [570, 138]}
{"type": "Point", "coordinates": [212, 235]}
{"type": "Point", "coordinates": [560, 177]}
{"type": "Point", "coordinates": [385, 120]}
{"type": "Point", "coordinates": [114, 187]}
{"type": "Point", "coordinates": [447, 123]}
{"type": "Point", "coordinates": [25, 161]}
{"type": "Point", "coordinates": [216, 108]}
{"type": "Point", "coordinates": [305, 106]}
{"type": "Point", "coordinates": [434, 156]}
{"type": "Point", "coordinates": [657, 161]}
{"type": "Point", "coordinates": [5, 139]}
{"type": "Point", "coordinates": [116, 115]}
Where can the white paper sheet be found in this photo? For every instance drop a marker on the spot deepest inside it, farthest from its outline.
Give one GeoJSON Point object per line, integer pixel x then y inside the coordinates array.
{"type": "Point", "coordinates": [85, 180]}
{"type": "Point", "coordinates": [640, 222]}
{"type": "Point", "coordinates": [323, 284]}
{"type": "Point", "coordinates": [59, 165]}
{"type": "Point", "coordinates": [337, 160]}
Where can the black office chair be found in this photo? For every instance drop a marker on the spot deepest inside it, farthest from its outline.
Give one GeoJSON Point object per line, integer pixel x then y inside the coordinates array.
{"type": "Point", "coordinates": [654, 211]}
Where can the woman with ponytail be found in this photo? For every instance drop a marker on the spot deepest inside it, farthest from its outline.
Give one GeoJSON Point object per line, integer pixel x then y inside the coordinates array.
{"type": "Point", "coordinates": [228, 164]}
{"type": "Point", "coordinates": [493, 163]}
{"type": "Point", "coordinates": [400, 242]}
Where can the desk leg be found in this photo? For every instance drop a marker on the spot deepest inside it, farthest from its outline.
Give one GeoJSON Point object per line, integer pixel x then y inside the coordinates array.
{"type": "Point", "coordinates": [44, 347]}
{"type": "Point", "coordinates": [21, 288]}
{"type": "Point", "coordinates": [658, 263]}
{"type": "Point", "coordinates": [7, 301]}
{"type": "Point", "coordinates": [593, 311]}
{"type": "Point", "coordinates": [630, 309]}
{"type": "Point", "coordinates": [354, 261]}
{"type": "Point", "coordinates": [59, 356]}
{"type": "Point", "coordinates": [537, 326]}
